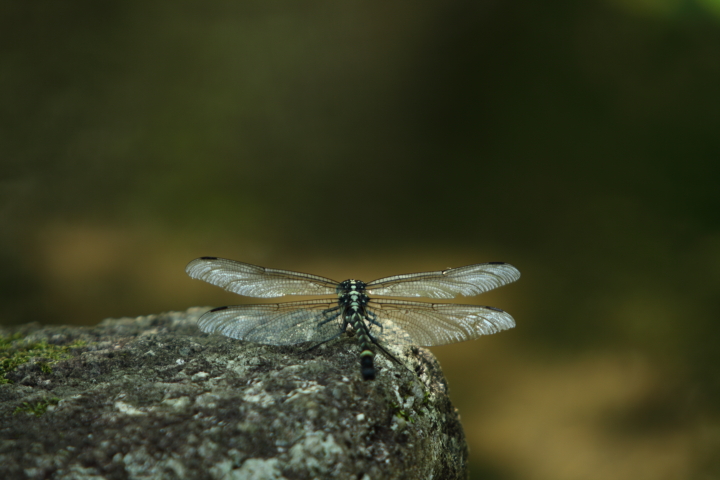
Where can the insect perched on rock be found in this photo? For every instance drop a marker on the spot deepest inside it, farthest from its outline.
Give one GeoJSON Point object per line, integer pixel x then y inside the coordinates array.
{"type": "Point", "coordinates": [374, 320]}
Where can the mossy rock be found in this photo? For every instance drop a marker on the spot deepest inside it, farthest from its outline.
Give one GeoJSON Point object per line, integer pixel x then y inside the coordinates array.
{"type": "Point", "coordinates": [152, 397]}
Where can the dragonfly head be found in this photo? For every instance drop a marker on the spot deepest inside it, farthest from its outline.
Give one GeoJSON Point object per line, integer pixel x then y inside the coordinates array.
{"type": "Point", "coordinates": [349, 286]}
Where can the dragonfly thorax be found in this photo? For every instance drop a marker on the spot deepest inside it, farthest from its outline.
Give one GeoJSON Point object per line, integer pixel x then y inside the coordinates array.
{"type": "Point", "coordinates": [351, 295]}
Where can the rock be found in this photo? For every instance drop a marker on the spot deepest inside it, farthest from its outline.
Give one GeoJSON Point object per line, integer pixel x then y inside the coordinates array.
{"type": "Point", "coordinates": [153, 398]}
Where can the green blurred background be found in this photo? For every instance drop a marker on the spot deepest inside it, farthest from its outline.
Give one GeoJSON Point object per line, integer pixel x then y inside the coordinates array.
{"type": "Point", "coordinates": [579, 141]}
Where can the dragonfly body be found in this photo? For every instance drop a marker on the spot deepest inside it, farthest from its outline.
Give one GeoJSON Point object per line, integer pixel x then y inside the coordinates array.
{"type": "Point", "coordinates": [353, 301]}
{"type": "Point", "coordinates": [373, 320]}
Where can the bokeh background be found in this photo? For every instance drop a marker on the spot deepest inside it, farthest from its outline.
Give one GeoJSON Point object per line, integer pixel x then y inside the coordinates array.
{"type": "Point", "coordinates": [579, 141]}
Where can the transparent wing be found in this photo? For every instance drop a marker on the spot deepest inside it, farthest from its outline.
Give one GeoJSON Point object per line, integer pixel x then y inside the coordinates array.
{"type": "Point", "coordinates": [254, 281]}
{"type": "Point", "coordinates": [468, 281]}
{"type": "Point", "coordinates": [430, 324]}
{"type": "Point", "coordinates": [275, 324]}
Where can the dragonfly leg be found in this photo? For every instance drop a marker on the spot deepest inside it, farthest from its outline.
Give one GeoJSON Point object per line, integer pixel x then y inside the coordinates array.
{"type": "Point", "coordinates": [334, 317]}
{"type": "Point", "coordinates": [335, 313]}
{"type": "Point", "coordinates": [325, 341]}
{"type": "Point", "coordinates": [372, 318]}
{"type": "Point", "coordinates": [390, 355]}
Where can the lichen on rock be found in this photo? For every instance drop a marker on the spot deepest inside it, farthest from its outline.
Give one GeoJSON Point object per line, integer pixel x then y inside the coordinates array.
{"type": "Point", "coordinates": [152, 397]}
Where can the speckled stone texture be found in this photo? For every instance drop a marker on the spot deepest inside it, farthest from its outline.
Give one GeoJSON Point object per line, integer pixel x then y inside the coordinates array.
{"type": "Point", "coordinates": [153, 398]}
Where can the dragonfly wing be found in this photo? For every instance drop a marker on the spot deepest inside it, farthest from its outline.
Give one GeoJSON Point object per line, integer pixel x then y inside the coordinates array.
{"type": "Point", "coordinates": [275, 324]}
{"type": "Point", "coordinates": [255, 281]}
{"type": "Point", "coordinates": [468, 281]}
{"type": "Point", "coordinates": [431, 324]}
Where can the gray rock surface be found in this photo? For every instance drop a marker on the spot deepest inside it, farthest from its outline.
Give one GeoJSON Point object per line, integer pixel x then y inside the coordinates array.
{"type": "Point", "coordinates": [153, 398]}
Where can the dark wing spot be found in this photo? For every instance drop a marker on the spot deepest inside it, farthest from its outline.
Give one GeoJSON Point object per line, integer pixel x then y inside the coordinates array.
{"type": "Point", "coordinates": [497, 263]}
{"type": "Point", "coordinates": [208, 258]}
{"type": "Point", "coordinates": [489, 308]}
{"type": "Point", "coordinates": [218, 309]}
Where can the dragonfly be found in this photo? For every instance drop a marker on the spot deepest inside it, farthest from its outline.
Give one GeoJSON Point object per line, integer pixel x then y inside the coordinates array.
{"type": "Point", "coordinates": [375, 321]}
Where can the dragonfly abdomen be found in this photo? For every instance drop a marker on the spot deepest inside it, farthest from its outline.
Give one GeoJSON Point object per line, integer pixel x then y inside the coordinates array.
{"type": "Point", "coordinates": [367, 355]}
{"type": "Point", "coordinates": [367, 365]}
